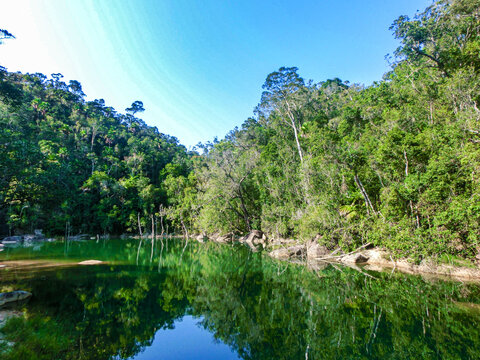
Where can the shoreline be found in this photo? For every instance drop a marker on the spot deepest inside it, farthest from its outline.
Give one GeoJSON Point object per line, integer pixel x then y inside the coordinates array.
{"type": "Point", "coordinates": [365, 257]}
{"type": "Point", "coordinates": [312, 254]}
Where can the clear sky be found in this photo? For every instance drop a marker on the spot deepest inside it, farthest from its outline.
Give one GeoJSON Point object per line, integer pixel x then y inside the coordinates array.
{"type": "Point", "coordinates": [198, 65]}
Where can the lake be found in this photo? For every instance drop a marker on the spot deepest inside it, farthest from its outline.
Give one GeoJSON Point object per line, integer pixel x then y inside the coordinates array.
{"type": "Point", "coordinates": [211, 301]}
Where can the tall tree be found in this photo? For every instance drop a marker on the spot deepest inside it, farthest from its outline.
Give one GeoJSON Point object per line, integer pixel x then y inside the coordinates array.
{"type": "Point", "coordinates": [284, 93]}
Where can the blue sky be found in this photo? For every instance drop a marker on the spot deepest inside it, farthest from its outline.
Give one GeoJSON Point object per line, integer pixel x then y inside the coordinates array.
{"type": "Point", "coordinates": [198, 66]}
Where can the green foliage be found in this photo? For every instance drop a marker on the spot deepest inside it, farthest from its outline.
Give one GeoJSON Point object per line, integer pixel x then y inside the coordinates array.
{"type": "Point", "coordinates": [395, 163]}
{"type": "Point", "coordinates": [69, 162]}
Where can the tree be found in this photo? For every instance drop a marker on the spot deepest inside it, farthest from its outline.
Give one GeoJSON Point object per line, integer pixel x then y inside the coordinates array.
{"type": "Point", "coordinates": [137, 106]}
{"type": "Point", "coordinates": [284, 93]}
{"type": "Point", "coordinates": [4, 34]}
{"type": "Point", "coordinates": [445, 35]}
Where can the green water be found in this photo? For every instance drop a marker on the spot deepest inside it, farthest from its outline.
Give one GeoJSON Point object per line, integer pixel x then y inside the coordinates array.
{"type": "Point", "coordinates": [223, 302]}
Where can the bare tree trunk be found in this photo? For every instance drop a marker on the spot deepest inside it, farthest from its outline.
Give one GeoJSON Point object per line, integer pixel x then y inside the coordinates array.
{"type": "Point", "coordinates": [161, 212]}
{"type": "Point", "coordinates": [167, 238]}
{"type": "Point", "coordinates": [185, 230]}
{"type": "Point", "coordinates": [297, 141]}
{"type": "Point", "coordinates": [161, 223]}
{"type": "Point", "coordinates": [139, 225]}
{"type": "Point", "coordinates": [139, 247]}
{"type": "Point", "coordinates": [160, 256]}
{"type": "Point", "coordinates": [368, 203]}
{"type": "Point", "coordinates": [295, 132]}
{"type": "Point", "coordinates": [152, 236]}
{"type": "Point", "coordinates": [185, 236]}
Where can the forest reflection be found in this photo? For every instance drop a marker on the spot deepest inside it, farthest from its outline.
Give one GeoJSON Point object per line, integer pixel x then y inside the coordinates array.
{"type": "Point", "coordinates": [259, 308]}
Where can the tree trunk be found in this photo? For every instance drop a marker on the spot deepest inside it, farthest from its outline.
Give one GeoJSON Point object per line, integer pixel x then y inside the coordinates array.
{"type": "Point", "coordinates": [185, 237]}
{"type": "Point", "coordinates": [406, 163]}
{"type": "Point", "coordinates": [298, 142]}
{"type": "Point", "coordinates": [139, 225]}
{"type": "Point", "coordinates": [153, 237]}
{"type": "Point", "coordinates": [295, 132]}
{"type": "Point", "coordinates": [368, 203]}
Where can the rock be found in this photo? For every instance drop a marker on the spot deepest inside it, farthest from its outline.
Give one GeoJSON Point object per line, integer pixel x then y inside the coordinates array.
{"type": "Point", "coordinates": [223, 239]}
{"type": "Point", "coordinates": [7, 314]}
{"type": "Point", "coordinates": [79, 237]}
{"type": "Point", "coordinates": [379, 257]}
{"type": "Point", "coordinates": [282, 242]}
{"type": "Point", "coordinates": [38, 232]}
{"type": "Point", "coordinates": [12, 239]}
{"type": "Point", "coordinates": [13, 296]}
{"type": "Point", "coordinates": [201, 238]}
{"type": "Point", "coordinates": [12, 243]}
{"type": "Point", "coordinates": [287, 253]}
{"type": "Point", "coordinates": [281, 254]}
{"type": "Point", "coordinates": [317, 265]}
{"type": "Point", "coordinates": [428, 266]}
{"type": "Point", "coordinates": [90, 262]}
{"type": "Point", "coordinates": [298, 250]}
{"type": "Point", "coordinates": [256, 239]}
{"type": "Point", "coordinates": [31, 240]}
{"type": "Point", "coordinates": [357, 258]}
{"type": "Point", "coordinates": [315, 250]}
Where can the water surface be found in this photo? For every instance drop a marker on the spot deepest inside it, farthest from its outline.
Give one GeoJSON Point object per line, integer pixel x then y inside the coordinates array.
{"type": "Point", "coordinates": [221, 302]}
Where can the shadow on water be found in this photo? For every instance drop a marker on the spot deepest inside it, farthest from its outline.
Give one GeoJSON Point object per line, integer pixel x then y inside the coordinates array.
{"type": "Point", "coordinates": [259, 308]}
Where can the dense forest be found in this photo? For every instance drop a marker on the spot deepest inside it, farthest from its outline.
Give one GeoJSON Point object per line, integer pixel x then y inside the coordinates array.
{"type": "Point", "coordinates": [78, 166]}
{"type": "Point", "coordinates": [396, 163]}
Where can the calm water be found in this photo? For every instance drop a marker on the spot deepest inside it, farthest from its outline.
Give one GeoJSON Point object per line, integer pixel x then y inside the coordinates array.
{"type": "Point", "coordinates": [222, 302]}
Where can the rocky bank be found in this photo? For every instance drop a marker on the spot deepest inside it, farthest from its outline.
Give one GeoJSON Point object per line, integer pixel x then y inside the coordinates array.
{"type": "Point", "coordinates": [366, 256]}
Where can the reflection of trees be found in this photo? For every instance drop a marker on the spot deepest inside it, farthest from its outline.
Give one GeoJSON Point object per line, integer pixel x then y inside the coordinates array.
{"type": "Point", "coordinates": [261, 308]}
{"type": "Point", "coordinates": [105, 314]}
{"type": "Point", "coordinates": [342, 314]}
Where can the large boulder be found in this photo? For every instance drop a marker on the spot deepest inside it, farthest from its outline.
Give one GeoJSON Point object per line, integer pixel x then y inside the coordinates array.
{"type": "Point", "coordinates": [223, 239]}
{"type": "Point", "coordinates": [281, 254]}
{"type": "Point", "coordinates": [90, 262]}
{"type": "Point", "coordinates": [12, 239]}
{"type": "Point", "coordinates": [256, 239]}
{"type": "Point", "coordinates": [201, 238]}
{"type": "Point", "coordinates": [6, 314]}
{"type": "Point", "coordinates": [356, 258]}
{"type": "Point", "coordinates": [79, 237]}
{"type": "Point", "coordinates": [379, 257]}
{"type": "Point", "coordinates": [288, 253]}
{"type": "Point", "coordinates": [13, 296]}
{"type": "Point", "coordinates": [32, 240]}
{"type": "Point", "coordinates": [279, 241]}
{"type": "Point", "coordinates": [316, 251]}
